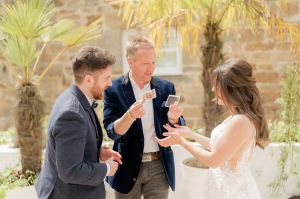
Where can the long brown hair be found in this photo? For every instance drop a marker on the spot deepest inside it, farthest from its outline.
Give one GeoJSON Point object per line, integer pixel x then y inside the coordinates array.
{"type": "Point", "coordinates": [239, 92]}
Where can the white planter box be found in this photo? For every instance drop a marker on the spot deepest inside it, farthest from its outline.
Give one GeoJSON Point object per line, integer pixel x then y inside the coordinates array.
{"type": "Point", "coordinates": [21, 192]}
{"type": "Point", "coordinates": [262, 160]}
{"type": "Point", "coordinates": [180, 154]}
{"type": "Point", "coordinates": [194, 179]}
{"type": "Point", "coordinates": [9, 156]}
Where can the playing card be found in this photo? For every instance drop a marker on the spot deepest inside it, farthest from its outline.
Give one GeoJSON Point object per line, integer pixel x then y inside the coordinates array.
{"type": "Point", "coordinates": [171, 100]}
{"type": "Point", "coordinates": [149, 95]}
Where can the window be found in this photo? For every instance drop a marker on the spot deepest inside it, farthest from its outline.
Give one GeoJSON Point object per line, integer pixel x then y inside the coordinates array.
{"type": "Point", "coordinates": [171, 56]}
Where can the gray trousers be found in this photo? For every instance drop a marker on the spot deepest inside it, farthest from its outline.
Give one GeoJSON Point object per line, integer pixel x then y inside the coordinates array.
{"type": "Point", "coordinates": [151, 183]}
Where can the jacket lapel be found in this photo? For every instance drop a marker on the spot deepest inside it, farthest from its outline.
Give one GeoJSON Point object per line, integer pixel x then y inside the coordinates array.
{"type": "Point", "coordinates": [84, 102]}
{"type": "Point", "coordinates": [99, 133]}
{"type": "Point", "coordinates": [129, 96]}
{"type": "Point", "coordinates": [157, 103]}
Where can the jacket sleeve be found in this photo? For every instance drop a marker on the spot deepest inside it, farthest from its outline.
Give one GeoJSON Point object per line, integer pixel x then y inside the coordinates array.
{"type": "Point", "coordinates": [70, 134]}
{"type": "Point", "coordinates": [111, 113]}
{"type": "Point", "coordinates": [181, 119]}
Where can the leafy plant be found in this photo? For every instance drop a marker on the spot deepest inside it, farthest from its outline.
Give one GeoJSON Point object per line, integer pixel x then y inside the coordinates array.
{"type": "Point", "coordinates": [24, 25]}
{"type": "Point", "coordinates": [10, 178]}
{"type": "Point", "coordinates": [287, 130]}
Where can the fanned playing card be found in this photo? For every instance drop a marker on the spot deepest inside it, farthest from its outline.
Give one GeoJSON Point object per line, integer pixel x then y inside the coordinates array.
{"type": "Point", "coordinates": [149, 95]}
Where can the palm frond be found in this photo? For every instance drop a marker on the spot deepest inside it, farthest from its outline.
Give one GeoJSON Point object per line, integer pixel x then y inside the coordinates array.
{"type": "Point", "coordinates": [5, 85]}
{"type": "Point", "coordinates": [11, 69]}
{"type": "Point", "coordinates": [283, 27]}
{"type": "Point", "coordinates": [51, 64]}
{"type": "Point", "coordinates": [2, 35]}
{"type": "Point", "coordinates": [243, 12]}
{"type": "Point", "coordinates": [159, 16]}
{"type": "Point", "coordinates": [30, 19]}
{"type": "Point", "coordinates": [190, 16]}
{"type": "Point", "coordinates": [58, 30]}
{"type": "Point", "coordinates": [82, 34]}
{"type": "Point", "coordinates": [14, 49]}
{"type": "Point", "coordinates": [160, 30]}
{"type": "Point", "coordinates": [146, 12]}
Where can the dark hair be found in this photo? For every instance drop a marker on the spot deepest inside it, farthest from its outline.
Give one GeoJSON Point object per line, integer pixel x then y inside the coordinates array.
{"type": "Point", "coordinates": [238, 89]}
{"type": "Point", "coordinates": [89, 59]}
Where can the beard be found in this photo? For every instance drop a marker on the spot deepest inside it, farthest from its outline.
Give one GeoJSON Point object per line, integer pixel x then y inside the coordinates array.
{"type": "Point", "coordinates": [97, 92]}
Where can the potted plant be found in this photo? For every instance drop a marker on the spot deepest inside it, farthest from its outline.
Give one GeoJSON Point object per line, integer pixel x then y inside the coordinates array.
{"type": "Point", "coordinates": [287, 132]}
{"type": "Point", "coordinates": [26, 29]}
{"type": "Point", "coordinates": [11, 179]}
{"type": "Point", "coordinates": [283, 178]}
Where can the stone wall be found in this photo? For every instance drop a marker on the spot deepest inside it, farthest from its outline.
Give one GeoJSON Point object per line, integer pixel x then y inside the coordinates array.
{"type": "Point", "coordinates": [267, 57]}
{"type": "Point", "coordinates": [260, 50]}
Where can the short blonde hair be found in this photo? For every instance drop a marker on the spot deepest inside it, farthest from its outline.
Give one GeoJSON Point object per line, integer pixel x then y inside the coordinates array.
{"type": "Point", "coordinates": [135, 43]}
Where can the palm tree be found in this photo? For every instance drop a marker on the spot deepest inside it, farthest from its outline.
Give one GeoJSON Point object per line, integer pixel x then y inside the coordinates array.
{"type": "Point", "coordinates": [24, 25]}
{"type": "Point", "coordinates": [212, 18]}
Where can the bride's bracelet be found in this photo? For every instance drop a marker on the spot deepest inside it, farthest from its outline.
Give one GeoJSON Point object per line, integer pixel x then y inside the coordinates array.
{"type": "Point", "coordinates": [130, 116]}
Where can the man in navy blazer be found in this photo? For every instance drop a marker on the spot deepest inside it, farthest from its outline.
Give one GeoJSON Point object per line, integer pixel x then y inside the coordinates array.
{"type": "Point", "coordinates": [71, 169]}
{"type": "Point", "coordinates": [133, 123]}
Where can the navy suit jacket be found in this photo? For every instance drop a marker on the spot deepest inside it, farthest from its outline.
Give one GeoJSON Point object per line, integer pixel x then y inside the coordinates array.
{"type": "Point", "coordinates": [71, 168]}
{"type": "Point", "coordinates": [118, 99]}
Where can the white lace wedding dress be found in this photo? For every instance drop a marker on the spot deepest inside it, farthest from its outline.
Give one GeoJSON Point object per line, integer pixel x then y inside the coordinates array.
{"type": "Point", "coordinates": [233, 179]}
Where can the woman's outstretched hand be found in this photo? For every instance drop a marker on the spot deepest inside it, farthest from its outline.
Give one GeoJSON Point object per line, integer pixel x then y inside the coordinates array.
{"type": "Point", "coordinates": [171, 139]}
{"type": "Point", "coordinates": [182, 130]}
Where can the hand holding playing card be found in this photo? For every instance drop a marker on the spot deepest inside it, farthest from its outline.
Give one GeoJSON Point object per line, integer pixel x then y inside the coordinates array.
{"type": "Point", "coordinates": [174, 113]}
{"type": "Point", "coordinates": [137, 110]}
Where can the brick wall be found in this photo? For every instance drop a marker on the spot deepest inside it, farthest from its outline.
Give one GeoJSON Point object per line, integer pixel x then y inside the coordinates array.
{"type": "Point", "coordinates": [268, 61]}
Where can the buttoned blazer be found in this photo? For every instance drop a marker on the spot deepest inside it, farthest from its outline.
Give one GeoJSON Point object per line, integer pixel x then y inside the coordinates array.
{"type": "Point", "coordinates": [118, 99]}
{"type": "Point", "coordinates": [71, 168]}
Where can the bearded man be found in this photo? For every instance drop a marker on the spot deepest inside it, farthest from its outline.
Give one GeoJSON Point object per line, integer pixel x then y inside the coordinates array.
{"type": "Point", "coordinates": [72, 168]}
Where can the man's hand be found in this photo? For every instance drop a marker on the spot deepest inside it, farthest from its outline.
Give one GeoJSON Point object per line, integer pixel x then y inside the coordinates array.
{"type": "Point", "coordinates": [174, 113]}
{"type": "Point", "coordinates": [113, 166]}
{"type": "Point", "coordinates": [106, 153]}
{"type": "Point", "coordinates": [137, 110]}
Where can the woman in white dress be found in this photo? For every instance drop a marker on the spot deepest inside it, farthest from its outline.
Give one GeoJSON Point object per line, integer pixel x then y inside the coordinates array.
{"type": "Point", "coordinates": [230, 148]}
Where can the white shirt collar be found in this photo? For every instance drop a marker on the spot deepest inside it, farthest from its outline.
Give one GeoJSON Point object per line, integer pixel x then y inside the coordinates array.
{"type": "Point", "coordinates": [90, 101]}
{"type": "Point", "coordinates": [136, 86]}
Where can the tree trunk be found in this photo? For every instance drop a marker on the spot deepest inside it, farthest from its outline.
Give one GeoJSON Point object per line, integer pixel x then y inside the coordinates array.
{"type": "Point", "coordinates": [29, 113]}
{"type": "Point", "coordinates": [212, 58]}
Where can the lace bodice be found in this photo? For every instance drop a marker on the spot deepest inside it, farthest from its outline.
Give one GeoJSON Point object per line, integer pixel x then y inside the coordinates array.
{"type": "Point", "coordinates": [240, 164]}
{"type": "Point", "coordinates": [233, 179]}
